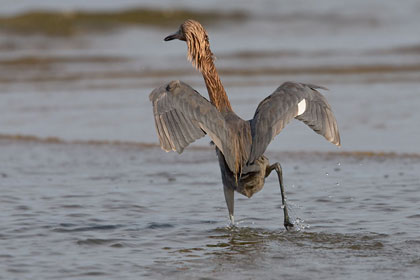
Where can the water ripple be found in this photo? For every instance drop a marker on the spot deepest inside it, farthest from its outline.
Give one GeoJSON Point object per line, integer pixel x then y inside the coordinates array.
{"type": "Point", "coordinates": [74, 228]}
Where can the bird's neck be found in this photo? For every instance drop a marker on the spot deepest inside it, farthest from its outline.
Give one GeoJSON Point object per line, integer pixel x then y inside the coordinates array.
{"type": "Point", "coordinates": [217, 93]}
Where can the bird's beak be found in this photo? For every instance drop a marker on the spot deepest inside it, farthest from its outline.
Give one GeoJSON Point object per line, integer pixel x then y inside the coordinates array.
{"type": "Point", "coordinates": [174, 36]}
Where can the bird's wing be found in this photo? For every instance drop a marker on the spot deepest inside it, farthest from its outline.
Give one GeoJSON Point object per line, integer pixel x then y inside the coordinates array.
{"type": "Point", "coordinates": [291, 100]}
{"type": "Point", "coordinates": [182, 116]}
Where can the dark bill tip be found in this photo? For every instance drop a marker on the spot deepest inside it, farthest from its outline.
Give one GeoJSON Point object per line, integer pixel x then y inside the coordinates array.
{"type": "Point", "coordinates": [171, 37]}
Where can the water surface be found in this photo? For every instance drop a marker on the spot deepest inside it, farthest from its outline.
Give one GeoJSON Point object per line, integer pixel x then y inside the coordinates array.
{"type": "Point", "coordinates": [79, 210]}
{"type": "Point", "coordinates": [87, 193]}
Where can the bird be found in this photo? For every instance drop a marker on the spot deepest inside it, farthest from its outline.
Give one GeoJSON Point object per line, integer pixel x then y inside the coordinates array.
{"type": "Point", "coordinates": [182, 115]}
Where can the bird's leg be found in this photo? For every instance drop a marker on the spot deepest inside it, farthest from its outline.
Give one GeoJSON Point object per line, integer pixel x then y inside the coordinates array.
{"type": "Point", "coordinates": [276, 166]}
{"type": "Point", "coordinates": [229, 197]}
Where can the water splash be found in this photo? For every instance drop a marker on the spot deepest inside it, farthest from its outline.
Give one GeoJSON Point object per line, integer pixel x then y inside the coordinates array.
{"type": "Point", "coordinates": [300, 224]}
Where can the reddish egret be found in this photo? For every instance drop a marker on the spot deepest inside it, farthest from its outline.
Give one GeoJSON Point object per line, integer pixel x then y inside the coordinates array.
{"type": "Point", "coordinates": [182, 116]}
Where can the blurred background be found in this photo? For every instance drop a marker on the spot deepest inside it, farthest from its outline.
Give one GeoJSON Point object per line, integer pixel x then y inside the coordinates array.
{"type": "Point", "coordinates": [82, 70]}
{"type": "Point", "coordinates": [75, 77]}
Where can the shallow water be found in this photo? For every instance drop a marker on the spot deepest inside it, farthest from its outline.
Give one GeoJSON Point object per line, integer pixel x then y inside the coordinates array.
{"type": "Point", "coordinates": [86, 192]}
{"type": "Point", "coordinates": [94, 82]}
{"type": "Point", "coordinates": [79, 210]}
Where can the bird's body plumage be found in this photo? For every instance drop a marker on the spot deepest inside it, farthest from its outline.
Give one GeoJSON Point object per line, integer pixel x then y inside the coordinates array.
{"type": "Point", "coordinates": [182, 115]}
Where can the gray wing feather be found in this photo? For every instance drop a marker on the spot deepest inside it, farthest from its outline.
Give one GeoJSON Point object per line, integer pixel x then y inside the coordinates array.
{"type": "Point", "coordinates": [182, 116]}
{"type": "Point", "coordinates": [278, 109]}
{"type": "Point", "coordinates": [319, 116]}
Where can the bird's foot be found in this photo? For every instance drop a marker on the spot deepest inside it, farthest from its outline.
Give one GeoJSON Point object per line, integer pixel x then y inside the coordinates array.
{"type": "Point", "coordinates": [232, 220]}
{"type": "Point", "coordinates": [287, 224]}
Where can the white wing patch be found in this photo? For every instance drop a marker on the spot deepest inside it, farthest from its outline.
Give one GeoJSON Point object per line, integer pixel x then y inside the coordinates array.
{"type": "Point", "coordinates": [301, 107]}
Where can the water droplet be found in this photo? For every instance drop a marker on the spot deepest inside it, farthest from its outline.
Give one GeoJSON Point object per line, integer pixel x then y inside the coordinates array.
{"type": "Point", "coordinates": [282, 206]}
{"type": "Point", "coordinates": [300, 225]}
{"type": "Point", "coordinates": [326, 174]}
{"type": "Point", "coordinates": [339, 163]}
{"type": "Point", "coordinates": [337, 184]}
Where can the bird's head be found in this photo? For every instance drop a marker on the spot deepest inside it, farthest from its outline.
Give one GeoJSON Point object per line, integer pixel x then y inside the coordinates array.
{"type": "Point", "coordinates": [194, 34]}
